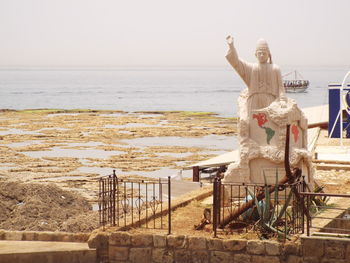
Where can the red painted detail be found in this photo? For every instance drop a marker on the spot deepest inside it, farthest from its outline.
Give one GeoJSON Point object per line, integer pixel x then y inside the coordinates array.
{"type": "Point", "coordinates": [261, 118]}
{"type": "Point", "coordinates": [295, 132]}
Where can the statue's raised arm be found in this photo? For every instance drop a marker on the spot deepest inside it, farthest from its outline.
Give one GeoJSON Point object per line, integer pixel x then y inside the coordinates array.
{"type": "Point", "coordinates": [229, 40]}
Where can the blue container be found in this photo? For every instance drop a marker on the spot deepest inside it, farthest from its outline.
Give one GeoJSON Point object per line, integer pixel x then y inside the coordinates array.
{"type": "Point", "coordinates": [334, 108]}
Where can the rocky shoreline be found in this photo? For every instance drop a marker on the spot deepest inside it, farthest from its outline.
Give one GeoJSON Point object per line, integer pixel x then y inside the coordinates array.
{"type": "Point", "coordinates": [72, 148]}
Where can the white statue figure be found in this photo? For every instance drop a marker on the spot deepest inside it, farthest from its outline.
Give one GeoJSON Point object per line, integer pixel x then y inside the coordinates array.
{"type": "Point", "coordinates": [264, 113]}
{"type": "Point", "coordinates": [263, 79]}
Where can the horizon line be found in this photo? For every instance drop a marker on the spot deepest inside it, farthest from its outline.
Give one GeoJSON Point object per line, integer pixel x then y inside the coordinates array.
{"type": "Point", "coordinates": [147, 66]}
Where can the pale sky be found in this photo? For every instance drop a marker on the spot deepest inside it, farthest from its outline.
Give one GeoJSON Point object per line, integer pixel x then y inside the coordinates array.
{"type": "Point", "coordinates": [173, 33]}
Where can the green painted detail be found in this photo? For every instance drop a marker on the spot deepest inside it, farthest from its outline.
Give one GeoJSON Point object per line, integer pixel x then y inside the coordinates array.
{"type": "Point", "coordinates": [269, 134]}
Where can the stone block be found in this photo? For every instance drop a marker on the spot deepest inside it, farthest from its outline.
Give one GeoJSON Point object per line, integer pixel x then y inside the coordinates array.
{"type": "Point", "coordinates": [272, 259]}
{"type": "Point", "coordinates": [30, 236]}
{"type": "Point", "coordinates": [142, 240]}
{"type": "Point", "coordinates": [140, 255]}
{"type": "Point", "coordinates": [46, 236]}
{"type": "Point", "coordinates": [159, 240]}
{"type": "Point", "coordinates": [68, 237]}
{"type": "Point", "coordinates": [182, 256]}
{"type": "Point", "coordinates": [29, 257]}
{"type": "Point", "coordinates": [179, 241]}
{"type": "Point", "coordinates": [87, 256]}
{"type": "Point", "coordinates": [291, 248]}
{"type": "Point", "coordinates": [215, 244]}
{"type": "Point", "coordinates": [255, 247]}
{"type": "Point", "coordinates": [312, 247]}
{"type": "Point", "coordinates": [264, 259]}
{"type": "Point", "coordinates": [293, 259]}
{"type": "Point", "coordinates": [220, 257]}
{"type": "Point", "coordinates": [333, 260]}
{"type": "Point", "coordinates": [118, 253]}
{"type": "Point", "coordinates": [234, 245]}
{"type": "Point", "coordinates": [311, 260]}
{"type": "Point", "coordinates": [120, 239]}
{"type": "Point", "coordinates": [197, 243]}
{"type": "Point", "coordinates": [347, 253]}
{"type": "Point", "coordinates": [59, 237]}
{"type": "Point", "coordinates": [13, 235]}
{"type": "Point", "coordinates": [334, 249]}
{"type": "Point", "coordinates": [272, 248]}
{"type": "Point", "coordinates": [81, 237]}
{"type": "Point", "coordinates": [102, 255]}
{"type": "Point", "coordinates": [98, 240]}
{"type": "Point", "coordinates": [2, 234]}
{"type": "Point", "coordinates": [200, 256]}
{"type": "Point", "coordinates": [241, 258]}
{"type": "Point", "coordinates": [162, 255]}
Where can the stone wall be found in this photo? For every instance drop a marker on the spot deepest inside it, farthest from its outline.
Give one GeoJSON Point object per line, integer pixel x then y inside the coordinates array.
{"type": "Point", "coordinates": [123, 247]}
{"type": "Point", "coordinates": [325, 249]}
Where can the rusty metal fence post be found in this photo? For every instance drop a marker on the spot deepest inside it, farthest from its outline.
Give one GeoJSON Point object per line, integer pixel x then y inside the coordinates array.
{"type": "Point", "coordinates": [113, 197]}
{"type": "Point", "coordinates": [169, 205]}
{"type": "Point", "coordinates": [308, 216]}
{"type": "Point", "coordinates": [220, 199]}
{"type": "Point", "coordinates": [303, 207]}
{"type": "Point", "coordinates": [215, 205]}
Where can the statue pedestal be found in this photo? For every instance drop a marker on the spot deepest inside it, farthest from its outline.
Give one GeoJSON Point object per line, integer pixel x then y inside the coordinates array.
{"type": "Point", "coordinates": [262, 144]}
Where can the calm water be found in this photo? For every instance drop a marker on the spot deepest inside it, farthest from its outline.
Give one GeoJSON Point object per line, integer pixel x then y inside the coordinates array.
{"type": "Point", "coordinates": [145, 89]}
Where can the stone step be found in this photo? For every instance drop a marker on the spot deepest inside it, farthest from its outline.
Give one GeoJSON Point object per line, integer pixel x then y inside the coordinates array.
{"type": "Point", "coordinates": [45, 252]}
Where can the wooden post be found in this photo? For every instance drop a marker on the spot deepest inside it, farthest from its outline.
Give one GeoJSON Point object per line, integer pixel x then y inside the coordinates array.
{"type": "Point", "coordinates": [195, 177]}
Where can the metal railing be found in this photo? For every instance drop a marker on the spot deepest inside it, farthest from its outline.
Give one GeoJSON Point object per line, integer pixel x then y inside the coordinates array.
{"type": "Point", "coordinates": [230, 199]}
{"type": "Point", "coordinates": [336, 222]}
{"type": "Point", "coordinates": [135, 203]}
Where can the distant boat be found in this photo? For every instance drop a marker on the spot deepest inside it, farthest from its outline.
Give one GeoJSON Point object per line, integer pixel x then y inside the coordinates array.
{"type": "Point", "coordinates": [296, 85]}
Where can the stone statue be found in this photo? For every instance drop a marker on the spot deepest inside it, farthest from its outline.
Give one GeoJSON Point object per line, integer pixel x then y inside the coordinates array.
{"type": "Point", "coordinates": [264, 113]}
{"type": "Point", "coordinates": [263, 79]}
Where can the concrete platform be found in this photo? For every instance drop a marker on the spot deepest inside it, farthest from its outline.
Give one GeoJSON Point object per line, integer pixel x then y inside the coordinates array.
{"type": "Point", "coordinates": [45, 252]}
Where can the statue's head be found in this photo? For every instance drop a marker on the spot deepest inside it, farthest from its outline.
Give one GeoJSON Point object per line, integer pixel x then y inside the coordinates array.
{"type": "Point", "coordinates": [262, 52]}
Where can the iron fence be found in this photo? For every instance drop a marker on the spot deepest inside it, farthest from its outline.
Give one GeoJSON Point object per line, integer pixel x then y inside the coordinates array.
{"type": "Point", "coordinates": [135, 203]}
{"type": "Point", "coordinates": [281, 209]}
{"type": "Point", "coordinates": [337, 218]}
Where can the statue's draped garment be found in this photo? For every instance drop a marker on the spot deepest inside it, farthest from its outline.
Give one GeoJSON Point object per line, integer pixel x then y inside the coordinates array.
{"type": "Point", "coordinates": [264, 81]}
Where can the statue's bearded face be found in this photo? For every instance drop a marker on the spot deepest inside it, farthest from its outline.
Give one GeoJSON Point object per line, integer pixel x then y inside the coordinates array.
{"type": "Point", "coordinates": [262, 55]}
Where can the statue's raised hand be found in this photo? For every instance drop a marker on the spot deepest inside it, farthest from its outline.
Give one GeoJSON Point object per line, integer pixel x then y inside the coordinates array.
{"type": "Point", "coordinates": [229, 40]}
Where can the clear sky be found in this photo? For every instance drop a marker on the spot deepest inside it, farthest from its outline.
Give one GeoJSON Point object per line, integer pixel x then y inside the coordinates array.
{"type": "Point", "coordinates": [173, 33]}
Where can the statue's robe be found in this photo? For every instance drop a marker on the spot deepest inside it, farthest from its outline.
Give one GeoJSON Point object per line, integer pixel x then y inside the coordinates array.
{"type": "Point", "coordinates": [264, 82]}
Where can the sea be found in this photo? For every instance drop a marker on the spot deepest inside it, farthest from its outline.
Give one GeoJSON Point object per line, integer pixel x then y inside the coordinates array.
{"type": "Point", "coordinates": [131, 89]}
